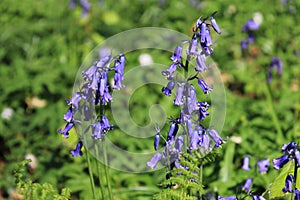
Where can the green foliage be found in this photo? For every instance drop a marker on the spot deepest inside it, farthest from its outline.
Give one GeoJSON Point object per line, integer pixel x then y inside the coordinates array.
{"type": "Point", "coordinates": [35, 190]}
{"type": "Point", "coordinates": [44, 43]}
{"type": "Point", "coordinates": [186, 182]}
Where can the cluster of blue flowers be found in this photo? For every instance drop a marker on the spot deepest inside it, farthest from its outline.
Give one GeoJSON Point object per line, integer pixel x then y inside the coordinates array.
{"type": "Point", "coordinates": [193, 112]}
{"type": "Point", "coordinates": [249, 27]}
{"type": "Point", "coordinates": [95, 90]}
{"type": "Point", "coordinates": [290, 152]}
{"type": "Point", "coordinates": [275, 64]}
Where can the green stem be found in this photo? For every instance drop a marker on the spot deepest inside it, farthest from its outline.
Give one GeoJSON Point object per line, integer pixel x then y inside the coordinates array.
{"type": "Point", "coordinates": [280, 138]}
{"type": "Point", "coordinates": [200, 179]}
{"type": "Point", "coordinates": [295, 177]}
{"type": "Point", "coordinates": [106, 169]}
{"type": "Point", "coordinates": [90, 173]}
{"type": "Point", "coordinates": [99, 171]}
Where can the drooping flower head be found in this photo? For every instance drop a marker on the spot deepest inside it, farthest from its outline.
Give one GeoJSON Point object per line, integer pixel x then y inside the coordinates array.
{"type": "Point", "coordinates": [77, 151]}
{"type": "Point", "coordinates": [263, 165]}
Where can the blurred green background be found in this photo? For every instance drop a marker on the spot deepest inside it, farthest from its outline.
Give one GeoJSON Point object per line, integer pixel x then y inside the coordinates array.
{"type": "Point", "coordinates": [44, 42]}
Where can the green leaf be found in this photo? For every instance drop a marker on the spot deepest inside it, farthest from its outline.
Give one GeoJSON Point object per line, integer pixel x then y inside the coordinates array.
{"type": "Point", "coordinates": [276, 187]}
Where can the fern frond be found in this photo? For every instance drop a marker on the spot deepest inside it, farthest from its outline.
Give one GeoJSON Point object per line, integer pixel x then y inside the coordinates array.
{"type": "Point", "coordinates": [33, 191]}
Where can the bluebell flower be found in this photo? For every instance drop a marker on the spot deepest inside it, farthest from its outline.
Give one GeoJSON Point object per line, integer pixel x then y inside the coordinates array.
{"type": "Point", "coordinates": [156, 141]}
{"type": "Point", "coordinates": [207, 50]}
{"type": "Point", "coordinates": [214, 23]}
{"type": "Point", "coordinates": [193, 50]}
{"type": "Point", "coordinates": [288, 184]}
{"type": "Point", "coordinates": [168, 89]}
{"type": "Point", "coordinates": [204, 143]}
{"type": "Point", "coordinates": [203, 107]}
{"type": "Point", "coordinates": [178, 143]}
{"type": "Point", "coordinates": [106, 96]}
{"type": "Point", "coordinates": [250, 25]}
{"type": "Point", "coordinates": [247, 185]}
{"type": "Point", "coordinates": [216, 137]}
{"type": "Point", "coordinates": [68, 117]}
{"type": "Point", "coordinates": [281, 161]}
{"type": "Point", "coordinates": [203, 32]}
{"type": "Point", "coordinates": [194, 140]}
{"type": "Point", "coordinates": [275, 64]}
{"type": "Point", "coordinates": [205, 88]}
{"type": "Point", "coordinates": [246, 162]}
{"type": "Point", "coordinates": [90, 72]}
{"type": "Point", "coordinates": [191, 100]}
{"type": "Point", "coordinates": [178, 101]}
{"type": "Point", "coordinates": [102, 83]}
{"type": "Point", "coordinates": [201, 66]}
{"type": "Point", "coordinates": [66, 130]}
{"type": "Point", "coordinates": [119, 65]}
{"type": "Point", "coordinates": [118, 78]}
{"type": "Point", "coordinates": [154, 160]}
{"type": "Point", "coordinates": [263, 165]}
{"type": "Point", "coordinates": [172, 132]}
{"type": "Point", "coordinates": [244, 44]}
{"type": "Point", "coordinates": [105, 124]}
{"type": "Point", "coordinates": [74, 101]}
{"type": "Point", "coordinates": [176, 57]}
{"type": "Point", "coordinates": [169, 72]}
{"type": "Point", "coordinates": [77, 151]}
{"type": "Point", "coordinates": [289, 148]}
{"type": "Point", "coordinates": [98, 132]}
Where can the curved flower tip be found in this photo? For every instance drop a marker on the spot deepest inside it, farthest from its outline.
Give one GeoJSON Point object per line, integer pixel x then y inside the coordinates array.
{"type": "Point", "coordinates": [77, 151]}
{"type": "Point", "coordinates": [280, 162]}
{"type": "Point", "coordinates": [154, 160]}
{"type": "Point", "coordinates": [263, 165]}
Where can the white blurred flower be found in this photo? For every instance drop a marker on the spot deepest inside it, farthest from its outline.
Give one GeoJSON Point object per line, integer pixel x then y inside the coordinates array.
{"type": "Point", "coordinates": [258, 17]}
{"type": "Point", "coordinates": [33, 164]}
{"type": "Point", "coordinates": [7, 113]}
{"type": "Point", "coordinates": [145, 59]}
